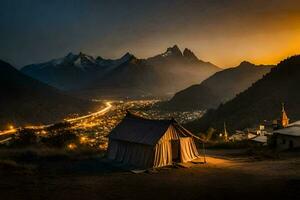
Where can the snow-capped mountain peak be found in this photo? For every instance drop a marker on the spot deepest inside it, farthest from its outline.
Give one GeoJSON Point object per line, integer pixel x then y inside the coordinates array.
{"type": "Point", "coordinates": [81, 61]}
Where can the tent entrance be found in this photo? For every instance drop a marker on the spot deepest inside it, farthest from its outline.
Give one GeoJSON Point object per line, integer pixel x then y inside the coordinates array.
{"type": "Point", "coordinates": [291, 144]}
{"type": "Point", "coordinates": [175, 150]}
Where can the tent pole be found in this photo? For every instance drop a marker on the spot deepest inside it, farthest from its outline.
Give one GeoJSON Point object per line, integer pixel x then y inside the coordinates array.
{"type": "Point", "coordinates": [204, 157]}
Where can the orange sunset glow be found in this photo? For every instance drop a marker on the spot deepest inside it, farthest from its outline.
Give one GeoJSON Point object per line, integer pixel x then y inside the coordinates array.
{"type": "Point", "coordinates": [149, 99]}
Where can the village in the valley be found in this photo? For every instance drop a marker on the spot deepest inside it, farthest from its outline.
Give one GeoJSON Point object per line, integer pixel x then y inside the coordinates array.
{"type": "Point", "coordinates": [94, 131]}
{"type": "Point", "coordinates": [131, 138]}
{"type": "Point", "coordinates": [279, 134]}
{"type": "Point", "coordinates": [149, 100]}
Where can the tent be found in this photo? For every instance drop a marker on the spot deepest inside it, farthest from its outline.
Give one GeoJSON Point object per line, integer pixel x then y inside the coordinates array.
{"type": "Point", "coordinates": [148, 143]}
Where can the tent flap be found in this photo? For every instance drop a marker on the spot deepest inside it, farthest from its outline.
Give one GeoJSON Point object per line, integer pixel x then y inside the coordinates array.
{"type": "Point", "coordinates": [188, 149]}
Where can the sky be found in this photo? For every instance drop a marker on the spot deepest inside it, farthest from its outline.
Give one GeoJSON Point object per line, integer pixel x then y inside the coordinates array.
{"type": "Point", "coordinates": [224, 32]}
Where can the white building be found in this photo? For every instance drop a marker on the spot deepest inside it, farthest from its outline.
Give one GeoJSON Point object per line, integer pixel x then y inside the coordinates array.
{"type": "Point", "coordinates": [287, 138]}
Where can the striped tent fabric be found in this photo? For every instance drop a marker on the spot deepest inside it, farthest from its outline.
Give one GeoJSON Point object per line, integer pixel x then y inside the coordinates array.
{"type": "Point", "coordinates": [148, 143]}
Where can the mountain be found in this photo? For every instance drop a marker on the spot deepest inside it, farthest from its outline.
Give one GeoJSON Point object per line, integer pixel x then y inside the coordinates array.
{"type": "Point", "coordinates": [160, 75]}
{"type": "Point", "coordinates": [132, 78]}
{"type": "Point", "coordinates": [178, 70]}
{"type": "Point", "coordinates": [73, 71]}
{"type": "Point", "coordinates": [217, 89]}
{"type": "Point", "coordinates": [262, 101]}
{"type": "Point", "coordinates": [27, 101]}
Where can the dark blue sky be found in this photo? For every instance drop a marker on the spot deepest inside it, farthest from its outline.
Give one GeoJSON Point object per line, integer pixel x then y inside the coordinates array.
{"type": "Point", "coordinates": [224, 32]}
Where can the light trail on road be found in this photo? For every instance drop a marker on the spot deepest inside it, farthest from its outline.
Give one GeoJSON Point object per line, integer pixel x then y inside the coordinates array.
{"type": "Point", "coordinates": [10, 131]}
{"type": "Point", "coordinates": [96, 114]}
{"type": "Point", "coordinates": [5, 140]}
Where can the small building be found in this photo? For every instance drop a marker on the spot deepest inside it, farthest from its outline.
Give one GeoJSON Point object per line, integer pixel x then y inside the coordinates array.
{"type": "Point", "coordinates": [259, 140]}
{"type": "Point", "coordinates": [237, 137]}
{"type": "Point", "coordinates": [286, 135]}
{"type": "Point", "coordinates": [287, 138]}
{"type": "Point", "coordinates": [147, 143]}
{"type": "Point", "coordinates": [241, 135]}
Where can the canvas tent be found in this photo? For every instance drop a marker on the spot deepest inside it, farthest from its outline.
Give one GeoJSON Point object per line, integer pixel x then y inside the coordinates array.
{"type": "Point", "coordinates": [150, 143]}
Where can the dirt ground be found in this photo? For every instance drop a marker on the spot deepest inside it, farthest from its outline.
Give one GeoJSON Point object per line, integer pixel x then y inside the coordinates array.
{"type": "Point", "coordinates": [223, 177]}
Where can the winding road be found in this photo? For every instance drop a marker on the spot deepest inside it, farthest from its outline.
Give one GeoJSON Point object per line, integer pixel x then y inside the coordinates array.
{"type": "Point", "coordinates": [96, 114]}
{"type": "Point", "coordinates": [107, 108]}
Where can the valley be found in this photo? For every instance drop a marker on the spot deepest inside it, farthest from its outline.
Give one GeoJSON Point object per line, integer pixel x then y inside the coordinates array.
{"type": "Point", "coordinates": [149, 99]}
{"type": "Point", "coordinates": [95, 127]}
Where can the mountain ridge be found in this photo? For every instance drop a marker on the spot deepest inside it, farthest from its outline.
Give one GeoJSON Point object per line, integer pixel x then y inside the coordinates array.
{"type": "Point", "coordinates": [158, 72]}
{"type": "Point", "coordinates": [261, 102]}
{"type": "Point", "coordinates": [218, 88]}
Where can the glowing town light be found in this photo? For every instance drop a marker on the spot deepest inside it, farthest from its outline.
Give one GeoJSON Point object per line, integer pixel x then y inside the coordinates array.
{"type": "Point", "coordinates": [83, 140]}
{"type": "Point", "coordinates": [103, 146]}
{"type": "Point", "coordinates": [43, 132]}
{"type": "Point", "coordinates": [72, 146]}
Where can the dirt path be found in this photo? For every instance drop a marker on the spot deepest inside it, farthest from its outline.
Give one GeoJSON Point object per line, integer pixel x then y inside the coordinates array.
{"type": "Point", "coordinates": [218, 179]}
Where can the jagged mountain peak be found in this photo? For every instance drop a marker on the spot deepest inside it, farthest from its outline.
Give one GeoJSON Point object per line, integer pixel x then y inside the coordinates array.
{"type": "Point", "coordinates": [111, 63]}
{"type": "Point", "coordinates": [81, 60]}
{"type": "Point", "coordinates": [189, 54]}
{"type": "Point", "coordinates": [175, 48]}
{"type": "Point", "coordinates": [70, 54]}
{"type": "Point", "coordinates": [83, 71]}
{"type": "Point", "coordinates": [80, 54]}
{"type": "Point", "coordinates": [69, 58]}
{"type": "Point", "coordinates": [128, 56]}
{"type": "Point", "coordinates": [172, 51]}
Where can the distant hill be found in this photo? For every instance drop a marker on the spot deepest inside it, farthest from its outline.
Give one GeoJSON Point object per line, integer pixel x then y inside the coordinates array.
{"type": "Point", "coordinates": [160, 75]}
{"type": "Point", "coordinates": [262, 101]}
{"type": "Point", "coordinates": [26, 101]}
{"type": "Point", "coordinates": [217, 89]}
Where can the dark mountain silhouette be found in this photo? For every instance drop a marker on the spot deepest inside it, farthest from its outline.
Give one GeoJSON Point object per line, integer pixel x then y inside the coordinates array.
{"type": "Point", "coordinates": [73, 71]}
{"type": "Point", "coordinates": [177, 70]}
{"type": "Point", "coordinates": [27, 101]}
{"type": "Point", "coordinates": [158, 75]}
{"type": "Point", "coordinates": [130, 79]}
{"type": "Point", "coordinates": [262, 101]}
{"type": "Point", "coordinates": [217, 89]}
{"type": "Point", "coordinates": [163, 74]}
